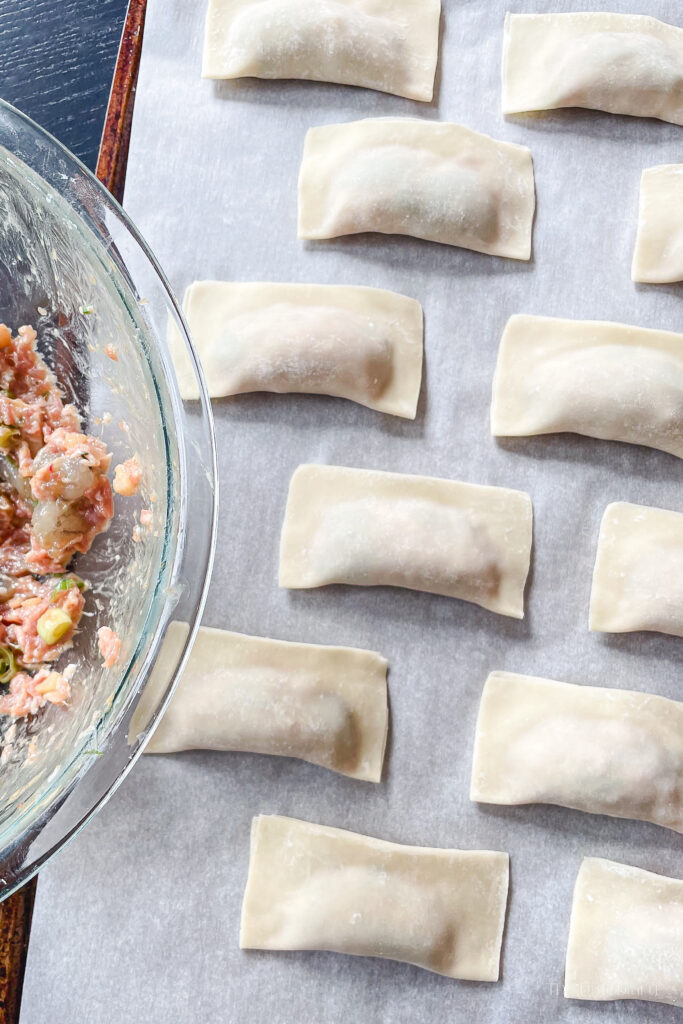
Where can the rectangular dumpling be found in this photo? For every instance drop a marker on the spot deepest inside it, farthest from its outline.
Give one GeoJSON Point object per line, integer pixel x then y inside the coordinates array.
{"type": "Point", "coordinates": [658, 254]}
{"type": "Point", "coordinates": [638, 576]}
{"type": "Point", "coordinates": [314, 887]}
{"type": "Point", "coordinates": [389, 45]}
{"type": "Point", "coordinates": [625, 935]}
{"type": "Point", "coordinates": [620, 63]}
{"type": "Point", "coordinates": [364, 344]}
{"type": "Point", "coordinates": [615, 752]}
{"type": "Point", "coordinates": [370, 528]}
{"type": "Point", "coordinates": [589, 377]}
{"type": "Point", "coordinates": [326, 705]}
{"type": "Point", "coordinates": [401, 176]}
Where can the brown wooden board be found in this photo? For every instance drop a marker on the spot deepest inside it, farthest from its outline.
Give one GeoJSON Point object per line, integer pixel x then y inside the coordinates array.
{"type": "Point", "coordinates": [15, 927]}
{"type": "Point", "coordinates": [113, 156]}
{"type": "Point", "coordinates": [16, 912]}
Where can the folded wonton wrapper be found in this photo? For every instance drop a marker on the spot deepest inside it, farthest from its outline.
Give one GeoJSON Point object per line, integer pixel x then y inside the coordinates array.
{"type": "Point", "coordinates": [326, 705]}
{"type": "Point", "coordinates": [589, 377]}
{"type": "Point", "coordinates": [625, 935]}
{"type": "Point", "coordinates": [314, 887]}
{"type": "Point", "coordinates": [428, 179]}
{"type": "Point", "coordinates": [658, 255]}
{"type": "Point", "coordinates": [638, 575]}
{"type": "Point", "coordinates": [620, 63]}
{"type": "Point", "coordinates": [370, 528]}
{"type": "Point", "coordinates": [390, 46]}
{"type": "Point", "coordinates": [604, 751]}
{"type": "Point", "coordinates": [364, 344]}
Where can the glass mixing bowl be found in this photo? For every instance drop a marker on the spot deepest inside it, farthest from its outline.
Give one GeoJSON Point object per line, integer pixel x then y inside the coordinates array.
{"type": "Point", "coordinates": [73, 266]}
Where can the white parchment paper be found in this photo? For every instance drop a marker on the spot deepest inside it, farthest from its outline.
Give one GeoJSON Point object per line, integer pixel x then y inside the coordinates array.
{"type": "Point", "coordinates": [138, 919]}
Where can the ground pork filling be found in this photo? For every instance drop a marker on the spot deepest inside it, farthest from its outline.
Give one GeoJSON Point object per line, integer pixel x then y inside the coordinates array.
{"type": "Point", "coordinates": [55, 497]}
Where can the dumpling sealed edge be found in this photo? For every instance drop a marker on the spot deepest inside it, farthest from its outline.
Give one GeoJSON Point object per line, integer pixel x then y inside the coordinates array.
{"type": "Point", "coordinates": [372, 528]}
{"type": "Point", "coordinates": [625, 934]}
{"type": "Point", "coordinates": [389, 47]}
{"type": "Point", "coordinates": [428, 179]}
{"type": "Point", "coordinates": [362, 344]}
{"type": "Point", "coordinates": [315, 887]}
{"type": "Point", "coordinates": [619, 63]}
{"type": "Point", "coordinates": [604, 751]}
{"type": "Point", "coordinates": [325, 705]}
{"type": "Point", "coordinates": [591, 377]}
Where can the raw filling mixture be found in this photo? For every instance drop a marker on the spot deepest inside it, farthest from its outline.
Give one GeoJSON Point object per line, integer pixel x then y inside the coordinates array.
{"type": "Point", "coordinates": [55, 497]}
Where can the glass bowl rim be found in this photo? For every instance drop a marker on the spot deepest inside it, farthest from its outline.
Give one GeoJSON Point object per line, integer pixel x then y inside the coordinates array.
{"type": "Point", "coordinates": [32, 865]}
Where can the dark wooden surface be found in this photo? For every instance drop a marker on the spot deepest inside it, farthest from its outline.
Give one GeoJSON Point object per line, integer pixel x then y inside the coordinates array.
{"type": "Point", "coordinates": [58, 59]}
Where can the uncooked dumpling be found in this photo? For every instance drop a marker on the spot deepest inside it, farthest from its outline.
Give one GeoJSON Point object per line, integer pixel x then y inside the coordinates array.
{"type": "Point", "coordinates": [658, 255]}
{"type": "Point", "coordinates": [638, 577]}
{"type": "Point", "coordinates": [621, 63]}
{"type": "Point", "coordinates": [625, 935]}
{"type": "Point", "coordinates": [589, 377]}
{"type": "Point", "coordinates": [390, 45]}
{"type": "Point", "coordinates": [401, 176]}
{"type": "Point", "coordinates": [314, 887]}
{"type": "Point", "coordinates": [370, 528]}
{"type": "Point", "coordinates": [605, 751]}
{"type": "Point", "coordinates": [364, 344]}
{"type": "Point", "coordinates": [326, 705]}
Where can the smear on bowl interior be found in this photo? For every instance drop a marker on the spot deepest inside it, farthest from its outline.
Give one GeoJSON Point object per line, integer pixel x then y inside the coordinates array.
{"type": "Point", "coordinates": [55, 498]}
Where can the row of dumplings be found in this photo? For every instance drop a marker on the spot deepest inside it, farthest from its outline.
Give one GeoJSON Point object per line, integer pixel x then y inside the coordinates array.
{"type": "Point", "coordinates": [603, 380]}
{"type": "Point", "coordinates": [620, 63]}
{"type": "Point", "coordinates": [538, 741]}
{"type": "Point", "coordinates": [446, 183]}
{"type": "Point", "coordinates": [315, 887]}
{"type": "Point", "coordinates": [371, 528]}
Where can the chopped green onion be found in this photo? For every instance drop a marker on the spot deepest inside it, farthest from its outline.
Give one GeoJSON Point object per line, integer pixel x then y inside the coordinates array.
{"type": "Point", "coordinates": [8, 665]}
{"type": "Point", "coordinates": [64, 584]}
{"type": "Point", "coordinates": [52, 625]}
{"type": "Point", "coordinates": [68, 583]}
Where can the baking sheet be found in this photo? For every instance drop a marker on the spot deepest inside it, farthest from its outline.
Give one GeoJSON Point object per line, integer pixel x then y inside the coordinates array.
{"type": "Point", "coordinates": [138, 919]}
